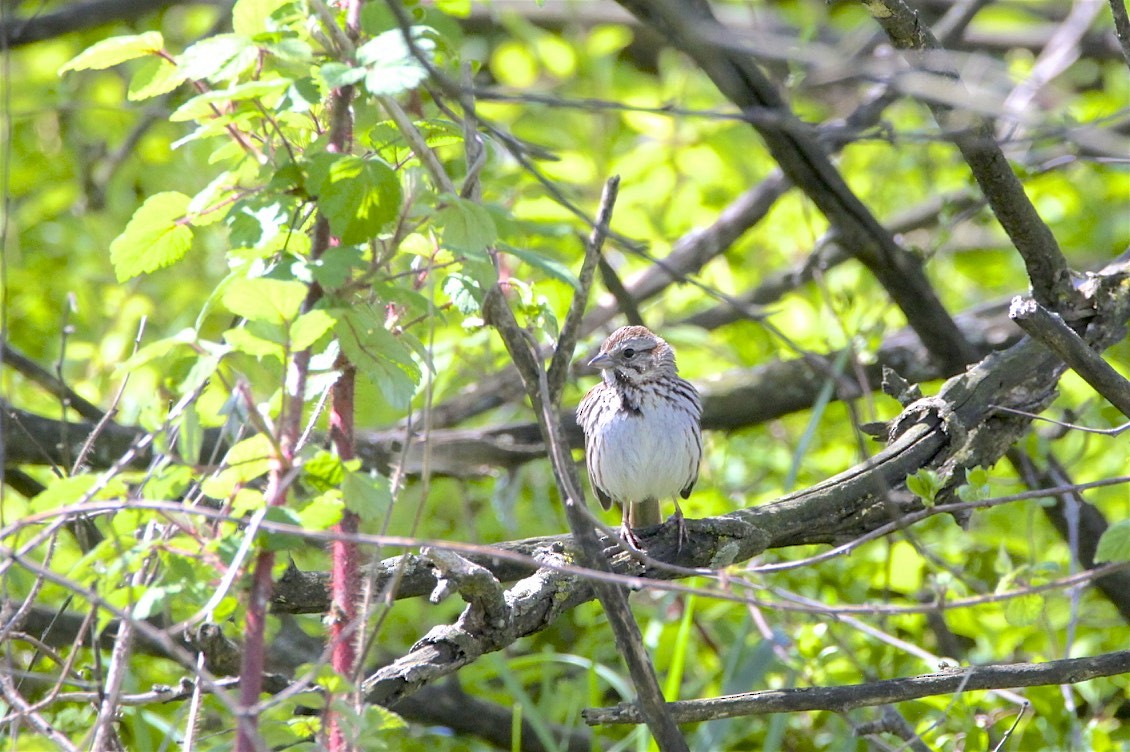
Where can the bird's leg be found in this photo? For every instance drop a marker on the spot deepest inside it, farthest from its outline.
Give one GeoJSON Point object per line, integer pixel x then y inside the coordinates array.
{"type": "Point", "coordinates": [681, 537]}
{"type": "Point", "coordinates": [626, 532]}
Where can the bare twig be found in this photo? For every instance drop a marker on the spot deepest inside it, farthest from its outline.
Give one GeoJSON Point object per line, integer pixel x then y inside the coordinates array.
{"type": "Point", "coordinates": [567, 341]}
{"type": "Point", "coordinates": [1050, 329]}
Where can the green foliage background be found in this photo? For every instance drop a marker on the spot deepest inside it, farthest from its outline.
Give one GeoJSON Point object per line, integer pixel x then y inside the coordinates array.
{"type": "Point", "coordinates": [87, 288]}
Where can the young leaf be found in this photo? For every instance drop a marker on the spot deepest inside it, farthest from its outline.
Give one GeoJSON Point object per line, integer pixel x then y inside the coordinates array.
{"type": "Point", "coordinates": [309, 328]}
{"type": "Point", "coordinates": [391, 68]}
{"type": "Point", "coordinates": [244, 462]}
{"type": "Point", "coordinates": [379, 355]}
{"type": "Point", "coordinates": [368, 496]}
{"type": "Point", "coordinates": [275, 301]}
{"type": "Point", "coordinates": [358, 196]}
{"type": "Point", "coordinates": [467, 226]}
{"type": "Point", "coordinates": [111, 52]}
{"type": "Point", "coordinates": [154, 77]}
{"type": "Point", "coordinates": [156, 236]}
{"type": "Point", "coordinates": [218, 58]}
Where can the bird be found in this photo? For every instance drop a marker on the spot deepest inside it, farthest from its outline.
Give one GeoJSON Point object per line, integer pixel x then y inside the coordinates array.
{"type": "Point", "coordinates": [643, 439]}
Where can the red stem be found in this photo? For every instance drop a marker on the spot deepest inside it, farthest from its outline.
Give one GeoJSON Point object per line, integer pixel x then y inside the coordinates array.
{"type": "Point", "coordinates": [346, 580]}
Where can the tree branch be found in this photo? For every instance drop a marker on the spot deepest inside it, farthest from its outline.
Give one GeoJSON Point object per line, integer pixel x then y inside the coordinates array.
{"type": "Point", "coordinates": [845, 698]}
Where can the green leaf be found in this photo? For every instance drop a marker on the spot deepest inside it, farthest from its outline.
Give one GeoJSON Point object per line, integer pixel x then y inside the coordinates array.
{"type": "Point", "coordinates": [1023, 610]}
{"type": "Point", "coordinates": [457, 8]}
{"type": "Point", "coordinates": [218, 58]}
{"type": "Point", "coordinates": [246, 461]}
{"type": "Point", "coordinates": [925, 484]}
{"type": "Point", "coordinates": [550, 266]}
{"type": "Point", "coordinates": [367, 496]}
{"type": "Point", "coordinates": [154, 77]}
{"type": "Point", "coordinates": [274, 301]}
{"type": "Point", "coordinates": [467, 226]}
{"type": "Point", "coordinates": [391, 68]}
{"type": "Point", "coordinates": [465, 293]}
{"type": "Point", "coordinates": [156, 236]}
{"type": "Point", "coordinates": [336, 75]}
{"type": "Point", "coordinates": [1114, 545]}
{"type": "Point", "coordinates": [323, 512]}
{"type": "Point", "coordinates": [251, 17]}
{"type": "Point", "coordinates": [61, 492]}
{"type": "Point", "coordinates": [309, 328]}
{"type": "Point", "coordinates": [282, 541]}
{"type": "Point", "coordinates": [324, 471]}
{"type": "Point", "coordinates": [243, 340]}
{"type": "Point", "coordinates": [111, 52]}
{"type": "Point", "coordinates": [358, 196]}
{"type": "Point", "coordinates": [201, 106]}
{"type": "Point", "coordinates": [378, 355]}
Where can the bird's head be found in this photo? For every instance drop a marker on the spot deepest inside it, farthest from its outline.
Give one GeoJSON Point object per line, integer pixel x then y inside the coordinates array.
{"type": "Point", "coordinates": [635, 354]}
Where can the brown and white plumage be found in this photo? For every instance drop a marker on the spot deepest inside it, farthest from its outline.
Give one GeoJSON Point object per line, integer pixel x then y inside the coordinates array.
{"type": "Point", "coordinates": [643, 442]}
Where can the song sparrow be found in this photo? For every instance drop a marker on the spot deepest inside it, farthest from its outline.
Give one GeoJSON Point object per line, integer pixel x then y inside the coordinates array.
{"type": "Point", "coordinates": [641, 422]}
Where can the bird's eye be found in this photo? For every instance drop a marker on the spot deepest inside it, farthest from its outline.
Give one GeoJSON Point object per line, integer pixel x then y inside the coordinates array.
{"type": "Point", "coordinates": [629, 353]}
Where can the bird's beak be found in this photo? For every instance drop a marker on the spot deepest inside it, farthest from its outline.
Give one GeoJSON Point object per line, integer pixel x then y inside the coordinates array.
{"type": "Point", "coordinates": [604, 360]}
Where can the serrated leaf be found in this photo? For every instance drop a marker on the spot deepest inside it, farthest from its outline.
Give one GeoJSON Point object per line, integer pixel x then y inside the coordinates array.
{"type": "Point", "coordinates": [218, 58]}
{"type": "Point", "coordinates": [244, 462]}
{"type": "Point", "coordinates": [323, 512]}
{"type": "Point", "coordinates": [390, 67]}
{"type": "Point", "coordinates": [1024, 610]}
{"type": "Point", "coordinates": [1114, 545]}
{"type": "Point", "coordinates": [335, 75]}
{"type": "Point", "coordinates": [358, 196]}
{"type": "Point", "coordinates": [244, 341]}
{"type": "Point", "coordinates": [201, 106]}
{"type": "Point", "coordinates": [111, 52]}
{"type": "Point", "coordinates": [467, 226]}
{"type": "Point", "coordinates": [274, 301]}
{"type": "Point", "coordinates": [154, 77]}
{"type": "Point", "coordinates": [378, 355]}
{"type": "Point", "coordinates": [309, 328]}
{"type": "Point", "coordinates": [155, 237]}
{"type": "Point", "coordinates": [251, 17]}
{"type": "Point", "coordinates": [367, 496]}
{"type": "Point", "coordinates": [464, 292]}
{"type": "Point", "coordinates": [323, 471]}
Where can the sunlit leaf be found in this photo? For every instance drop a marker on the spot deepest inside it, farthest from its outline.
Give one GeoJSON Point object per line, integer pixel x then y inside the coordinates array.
{"type": "Point", "coordinates": [358, 196]}
{"type": "Point", "coordinates": [390, 67]}
{"type": "Point", "coordinates": [154, 76]}
{"type": "Point", "coordinates": [110, 52]}
{"type": "Point", "coordinates": [156, 236]}
{"type": "Point", "coordinates": [244, 462]}
{"type": "Point", "coordinates": [378, 355]}
{"type": "Point", "coordinates": [274, 301]}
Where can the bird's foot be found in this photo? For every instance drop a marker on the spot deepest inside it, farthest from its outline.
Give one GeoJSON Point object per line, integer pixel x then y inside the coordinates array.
{"type": "Point", "coordinates": [681, 535]}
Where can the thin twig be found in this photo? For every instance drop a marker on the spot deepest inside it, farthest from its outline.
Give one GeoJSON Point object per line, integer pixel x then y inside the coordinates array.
{"type": "Point", "coordinates": [567, 341]}
{"type": "Point", "coordinates": [1061, 339]}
